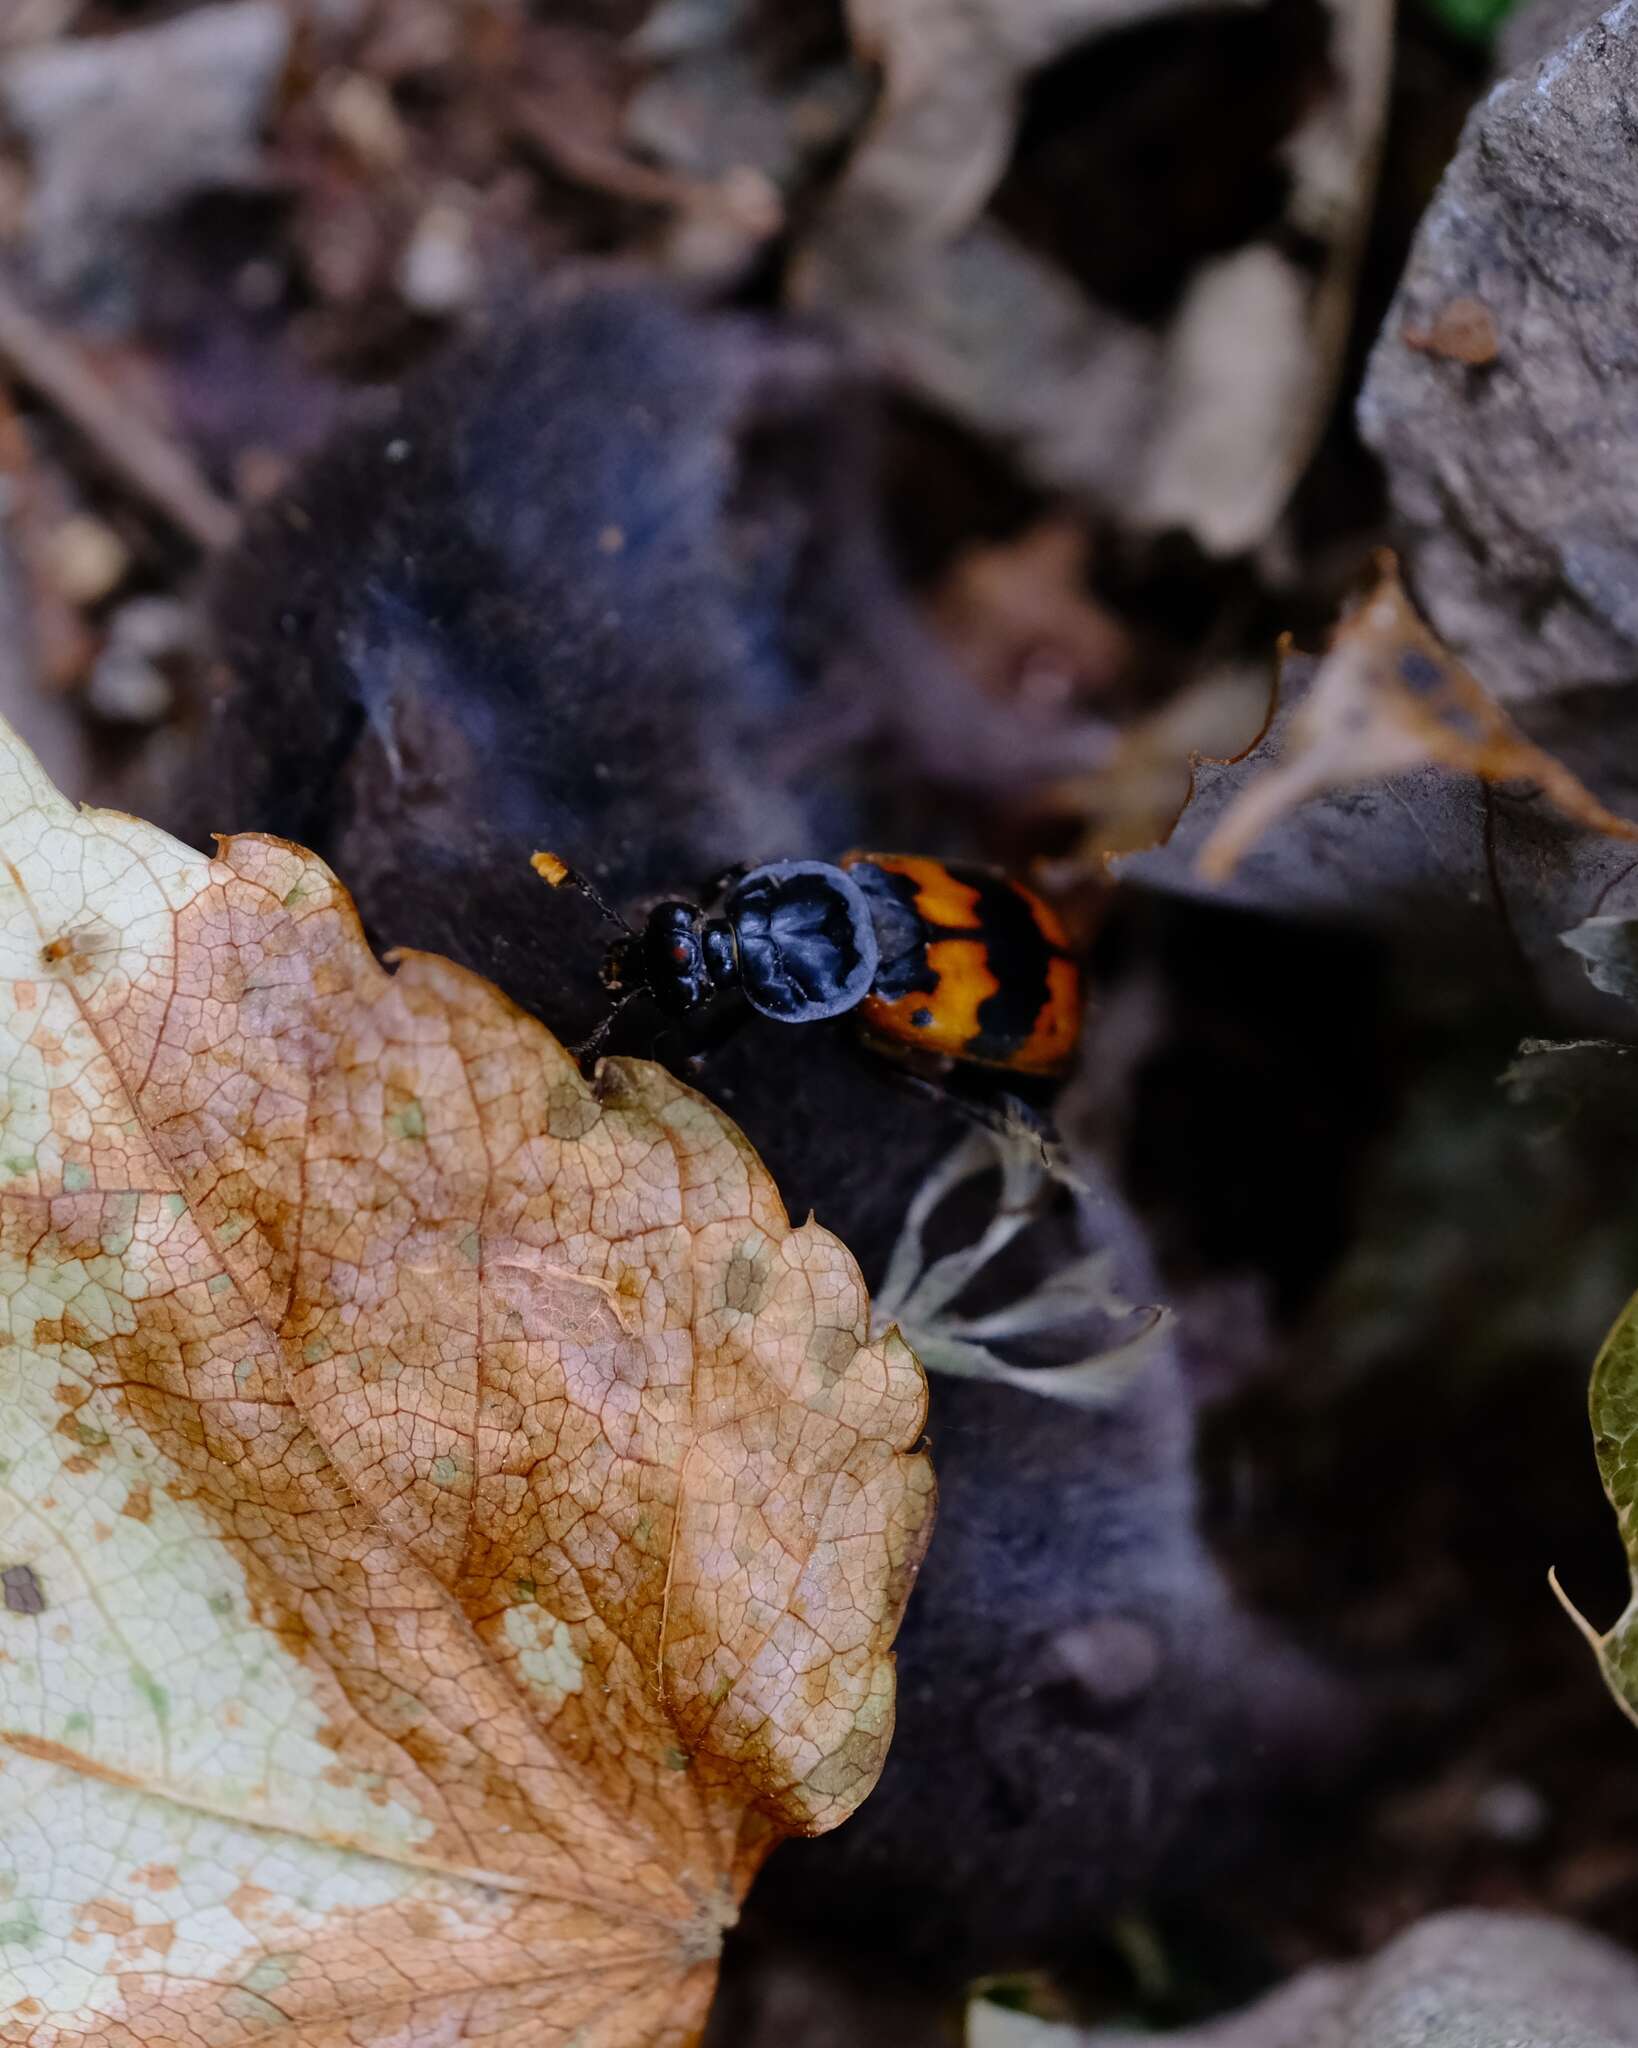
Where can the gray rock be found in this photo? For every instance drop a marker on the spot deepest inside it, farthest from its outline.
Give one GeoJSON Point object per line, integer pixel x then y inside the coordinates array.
{"type": "Point", "coordinates": [1512, 479]}
{"type": "Point", "coordinates": [1539, 27]}
{"type": "Point", "coordinates": [1459, 1980]}
{"type": "Point", "coordinates": [123, 129]}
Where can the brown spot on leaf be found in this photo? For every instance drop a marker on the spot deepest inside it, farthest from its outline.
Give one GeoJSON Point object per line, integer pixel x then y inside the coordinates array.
{"type": "Point", "coordinates": [22, 1589]}
{"type": "Point", "coordinates": [108, 1916]}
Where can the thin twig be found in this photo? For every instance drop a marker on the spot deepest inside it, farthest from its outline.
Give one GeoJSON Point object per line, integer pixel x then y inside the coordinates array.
{"type": "Point", "coordinates": [142, 457]}
{"type": "Point", "coordinates": [751, 204]}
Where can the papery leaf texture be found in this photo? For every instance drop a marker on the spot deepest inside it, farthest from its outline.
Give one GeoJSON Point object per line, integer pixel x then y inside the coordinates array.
{"type": "Point", "coordinates": [451, 1524]}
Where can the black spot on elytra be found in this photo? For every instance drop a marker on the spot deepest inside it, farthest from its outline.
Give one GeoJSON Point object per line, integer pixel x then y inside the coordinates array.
{"type": "Point", "coordinates": [1018, 954]}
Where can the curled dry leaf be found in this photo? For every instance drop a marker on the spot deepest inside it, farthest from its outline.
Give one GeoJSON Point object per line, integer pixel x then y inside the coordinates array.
{"type": "Point", "coordinates": [1389, 697]}
{"type": "Point", "coordinates": [1390, 792]}
{"type": "Point", "coordinates": [451, 1524]}
{"type": "Point", "coordinates": [920, 1292]}
{"type": "Point", "coordinates": [1135, 798]}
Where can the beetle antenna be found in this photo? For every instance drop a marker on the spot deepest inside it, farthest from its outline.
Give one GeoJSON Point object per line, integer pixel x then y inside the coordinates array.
{"type": "Point", "coordinates": [562, 876]}
{"type": "Point", "coordinates": [592, 1044]}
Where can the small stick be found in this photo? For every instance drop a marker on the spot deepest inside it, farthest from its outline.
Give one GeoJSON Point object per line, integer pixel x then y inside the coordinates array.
{"type": "Point", "coordinates": [748, 202]}
{"type": "Point", "coordinates": [138, 453]}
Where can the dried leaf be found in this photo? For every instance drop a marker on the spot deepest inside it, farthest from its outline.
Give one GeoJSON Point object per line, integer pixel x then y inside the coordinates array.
{"type": "Point", "coordinates": [451, 1525]}
{"type": "Point", "coordinates": [1387, 697]}
{"type": "Point", "coordinates": [1133, 801]}
{"type": "Point", "coordinates": [918, 1292]}
{"type": "Point", "coordinates": [1391, 789]}
{"type": "Point", "coordinates": [1258, 345]}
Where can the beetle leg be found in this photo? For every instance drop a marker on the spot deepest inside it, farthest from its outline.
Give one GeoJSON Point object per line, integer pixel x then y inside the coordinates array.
{"type": "Point", "coordinates": [585, 1053]}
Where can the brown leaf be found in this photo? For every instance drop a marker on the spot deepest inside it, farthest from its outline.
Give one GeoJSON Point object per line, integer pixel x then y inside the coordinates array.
{"type": "Point", "coordinates": [1392, 791]}
{"type": "Point", "coordinates": [1388, 697]}
{"type": "Point", "coordinates": [452, 1524]}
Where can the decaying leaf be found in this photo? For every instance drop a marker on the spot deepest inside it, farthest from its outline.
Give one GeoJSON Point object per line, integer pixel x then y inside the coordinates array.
{"type": "Point", "coordinates": [1136, 797]}
{"type": "Point", "coordinates": [919, 1292]}
{"type": "Point", "coordinates": [1391, 791]}
{"type": "Point", "coordinates": [451, 1524]}
{"type": "Point", "coordinates": [1388, 697]}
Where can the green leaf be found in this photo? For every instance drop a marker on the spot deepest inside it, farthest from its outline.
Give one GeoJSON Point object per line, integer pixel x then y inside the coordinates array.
{"type": "Point", "coordinates": [1613, 1403]}
{"type": "Point", "coordinates": [1476, 19]}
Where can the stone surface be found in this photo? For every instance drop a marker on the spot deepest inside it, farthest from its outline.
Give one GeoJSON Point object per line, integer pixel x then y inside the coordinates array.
{"type": "Point", "coordinates": [1512, 480]}
{"type": "Point", "coordinates": [1459, 1980]}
